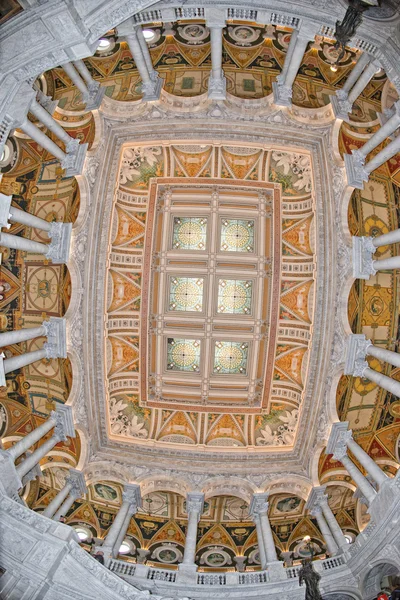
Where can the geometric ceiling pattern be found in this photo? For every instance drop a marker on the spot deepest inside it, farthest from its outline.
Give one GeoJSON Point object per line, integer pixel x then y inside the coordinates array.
{"type": "Point", "coordinates": [34, 289]}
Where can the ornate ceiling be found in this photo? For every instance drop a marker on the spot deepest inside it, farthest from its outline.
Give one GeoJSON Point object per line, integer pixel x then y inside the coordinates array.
{"type": "Point", "coordinates": [174, 269]}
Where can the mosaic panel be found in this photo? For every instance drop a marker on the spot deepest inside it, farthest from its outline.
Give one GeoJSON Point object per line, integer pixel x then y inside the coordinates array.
{"type": "Point", "coordinates": [237, 235]}
{"type": "Point", "coordinates": [183, 355]}
{"type": "Point", "coordinates": [186, 294]}
{"type": "Point", "coordinates": [234, 296]}
{"type": "Point", "coordinates": [231, 357]}
{"type": "Point", "coordinates": [190, 233]}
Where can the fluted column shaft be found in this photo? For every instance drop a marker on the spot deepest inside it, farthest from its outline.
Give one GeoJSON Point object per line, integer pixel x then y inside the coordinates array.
{"type": "Point", "coordinates": [216, 50]}
{"type": "Point", "coordinates": [42, 115]}
{"type": "Point", "coordinates": [356, 72]}
{"type": "Point", "coordinates": [31, 438]}
{"type": "Point", "coordinates": [361, 482]}
{"type": "Point", "coordinates": [42, 139]}
{"type": "Point", "coordinates": [367, 462]}
{"type": "Point", "coordinates": [191, 539]}
{"type": "Point", "coordinates": [326, 532]}
{"type": "Point", "coordinates": [362, 82]}
{"type": "Point", "coordinates": [333, 524]}
{"type": "Point", "coordinates": [380, 136]}
{"type": "Point", "coordinates": [76, 79]}
{"type": "Point", "coordinates": [57, 501]}
{"type": "Point", "coordinates": [64, 508]}
{"type": "Point", "coordinates": [22, 360]}
{"type": "Point", "coordinates": [393, 358]}
{"type": "Point", "coordinates": [136, 51]}
{"type": "Point", "coordinates": [25, 218]}
{"type": "Point", "coordinates": [260, 541]}
{"type": "Point", "coordinates": [32, 460]}
{"type": "Point", "coordinates": [20, 243]}
{"type": "Point", "coordinates": [21, 335]}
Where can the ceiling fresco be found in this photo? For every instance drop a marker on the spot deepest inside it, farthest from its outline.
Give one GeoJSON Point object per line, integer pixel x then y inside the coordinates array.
{"type": "Point", "coordinates": [34, 289]}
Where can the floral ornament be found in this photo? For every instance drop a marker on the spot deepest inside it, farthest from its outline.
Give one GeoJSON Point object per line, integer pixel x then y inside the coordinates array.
{"type": "Point", "coordinates": [134, 159]}
{"type": "Point", "coordinates": [123, 424]}
{"type": "Point", "coordinates": [284, 434]}
{"type": "Point", "coordinates": [296, 164]}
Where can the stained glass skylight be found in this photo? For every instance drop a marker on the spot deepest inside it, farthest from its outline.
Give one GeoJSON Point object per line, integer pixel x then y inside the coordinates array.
{"type": "Point", "coordinates": [231, 357]}
{"type": "Point", "coordinates": [237, 235]}
{"type": "Point", "coordinates": [186, 294]}
{"type": "Point", "coordinates": [183, 355]}
{"type": "Point", "coordinates": [234, 296]}
{"type": "Point", "coordinates": [190, 233]}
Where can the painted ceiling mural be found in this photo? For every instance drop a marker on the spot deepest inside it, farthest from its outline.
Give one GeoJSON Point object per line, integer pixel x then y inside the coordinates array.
{"type": "Point", "coordinates": [33, 290]}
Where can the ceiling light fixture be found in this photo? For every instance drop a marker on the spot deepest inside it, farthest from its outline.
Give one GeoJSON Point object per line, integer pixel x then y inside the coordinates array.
{"type": "Point", "coordinates": [104, 43]}
{"type": "Point", "coordinates": [149, 35]}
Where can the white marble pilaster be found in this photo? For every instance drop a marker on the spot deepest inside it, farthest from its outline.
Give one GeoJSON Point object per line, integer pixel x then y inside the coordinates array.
{"type": "Point", "coordinates": [194, 509]}
{"type": "Point", "coordinates": [216, 82]}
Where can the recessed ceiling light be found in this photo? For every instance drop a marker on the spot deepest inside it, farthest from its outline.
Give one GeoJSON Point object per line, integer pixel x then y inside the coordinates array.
{"type": "Point", "coordinates": [124, 548]}
{"type": "Point", "coordinates": [103, 44]}
{"type": "Point", "coordinates": [149, 35]}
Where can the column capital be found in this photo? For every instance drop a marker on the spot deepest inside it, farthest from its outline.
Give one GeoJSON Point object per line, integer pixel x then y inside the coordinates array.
{"type": "Point", "coordinates": [77, 481]}
{"type": "Point", "coordinates": [363, 262]}
{"type": "Point", "coordinates": [317, 497]}
{"type": "Point", "coordinates": [195, 503]}
{"type": "Point", "coordinates": [132, 495]}
{"type": "Point", "coordinates": [33, 473]}
{"type": "Point", "coordinates": [128, 27]}
{"type": "Point", "coordinates": [259, 504]}
{"type": "Point", "coordinates": [5, 205]}
{"type": "Point", "coordinates": [60, 235]}
{"type": "Point", "coordinates": [63, 419]}
{"type": "Point", "coordinates": [316, 511]}
{"type": "Point", "coordinates": [340, 436]}
{"type": "Point", "coordinates": [355, 171]}
{"type": "Point", "coordinates": [308, 30]}
{"type": "Point", "coordinates": [356, 351]}
{"type": "Point", "coordinates": [56, 345]}
{"type": "Point", "coordinates": [215, 18]}
{"type": "Point", "coordinates": [360, 496]}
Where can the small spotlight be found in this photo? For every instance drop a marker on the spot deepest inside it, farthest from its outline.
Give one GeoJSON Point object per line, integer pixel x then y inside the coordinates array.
{"type": "Point", "coordinates": [306, 538]}
{"type": "Point", "coordinates": [334, 68]}
{"type": "Point", "coordinates": [103, 44]}
{"type": "Point", "coordinates": [149, 35]}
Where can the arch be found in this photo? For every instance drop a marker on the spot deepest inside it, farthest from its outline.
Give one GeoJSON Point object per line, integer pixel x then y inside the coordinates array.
{"type": "Point", "coordinates": [296, 485]}
{"type": "Point", "coordinates": [376, 570]}
{"type": "Point", "coordinates": [164, 483]}
{"type": "Point", "coordinates": [84, 454]}
{"type": "Point", "coordinates": [229, 486]}
{"type": "Point", "coordinates": [105, 471]}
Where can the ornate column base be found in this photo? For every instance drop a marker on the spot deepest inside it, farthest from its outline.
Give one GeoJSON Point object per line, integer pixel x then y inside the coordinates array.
{"type": "Point", "coordinates": [95, 96]}
{"type": "Point", "coordinates": [356, 174]}
{"type": "Point", "coordinates": [187, 573]}
{"type": "Point", "coordinates": [151, 91]}
{"type": "Point", "coordinates": [282, 94]}
{"type": "Point", "coordinates": [217, 88]}
{"type": "Point", "coordinates": [59, 247]}
{"type": "Point", "coordinates": [363, 263]}
{"type": "Point", "coordinates": [10, 483]}
{"type": "Point", "coordinates": [341, 106]}
{"type": "Point", "coordinates": [73, 161]}
{"type": "Point", "coordinates": [276, 571]}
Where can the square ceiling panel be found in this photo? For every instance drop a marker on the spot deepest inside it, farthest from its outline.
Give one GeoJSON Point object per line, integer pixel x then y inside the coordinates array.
{"type": "Point", "coordinates": [183, 355]}
{"type": "Point", "coordinates": [234, 296]}
{"type": "Point", "coordinates": [190, 233]}
{"type": "Point", "coordinates": [237, 235]}
{"type": "Point", "coordinates": [231, 357]}
{"type": "Point", "coordinates": [186, 294]}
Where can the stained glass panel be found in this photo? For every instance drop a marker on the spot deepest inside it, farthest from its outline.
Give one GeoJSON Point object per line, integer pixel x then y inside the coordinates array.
{"type": "Point", "coordinates": [190, 233]}
{"type": "Point", "coordinates": [234, 296]}
{"type": "Point", "coordinates": [231, 357]}
{"type": "Point", "coordinates": [237, 235]}
{"type": "Point", "coordinates": [186, 293]}
{"type": "Point", "coordinates": [183, 355]}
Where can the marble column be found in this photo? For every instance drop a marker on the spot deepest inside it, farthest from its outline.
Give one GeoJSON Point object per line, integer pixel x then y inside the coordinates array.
{"type": "Point", "coordinates": [194, 509]}
{"type": "Point", "coordinates": [356, 169]}
{"type": "Point", "coordinates": [216, 81]}
{"type": "Point", "coordinates": [131, 501]}
{"type": "Point", "coordinates": [282, 88]}
{"type": "Point", "coordinates": [59, 233]}
{"type": "Point", "coordinates": [74, 482]}
{"type": "Point", "coordinates": [77, 488]}
{"type": "Point", "coordinates": [358, 347]}
{"type": "Point", "coordinates": [95, 93]}
{"type": "Point", "coordinates": [71, 144]}
{"type": "Point", "coordinates": [55, 347]}
{"type": "Point", "coordinates": [260, 541]}
{"type": "Point", "coordinates": [364, 70]}
{"type": "Point", "coordinates": [318, 498]}
{"type": "Point", "coordinates": [146, 54]}
{"type": "Point", "coordinates": [28, 463]}
{"type": "Point", "coordinates": [325, 531]}
{"type": "Point", "coordinates": [46, 101]}
{"type": "Point", "coordinates": [151, 86]}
